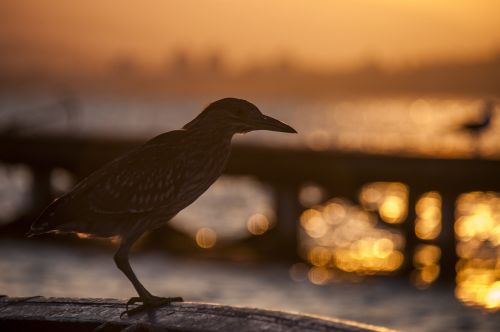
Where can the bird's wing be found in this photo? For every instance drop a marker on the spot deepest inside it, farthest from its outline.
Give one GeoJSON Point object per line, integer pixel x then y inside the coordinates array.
{"type": "Point", "coordinates": [141, 181]}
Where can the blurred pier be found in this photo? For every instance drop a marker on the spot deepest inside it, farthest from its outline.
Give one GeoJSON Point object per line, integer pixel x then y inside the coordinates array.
{"type": "Point", "coordinates": [285, 170]}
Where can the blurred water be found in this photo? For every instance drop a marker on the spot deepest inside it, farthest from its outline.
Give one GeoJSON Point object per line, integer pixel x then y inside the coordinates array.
{"type": "Point", "coordinates": [29, 269]}
{"type": "Point", "coordinates": [226, 207]}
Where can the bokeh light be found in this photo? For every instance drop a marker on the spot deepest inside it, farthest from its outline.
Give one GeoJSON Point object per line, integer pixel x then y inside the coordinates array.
{"type": "Point", "coordinates": [426, 263]}
{"type": "Point", "coordinates": [319, 275]}
{"type": "Point", "coordinates": [258, 224]}
{"type": "Point", "coordinates": [428, 210]}
{"type": "Point", "coordinates": [247, 210]}
{"type": "Point", "coordinates": [477, 230]}
{"type": "Point", "coordinates": [206, 238]}
{"type": "Point", "coordinates": [339, 236]}
{"type": "Point", "coordinates": [389, 198]}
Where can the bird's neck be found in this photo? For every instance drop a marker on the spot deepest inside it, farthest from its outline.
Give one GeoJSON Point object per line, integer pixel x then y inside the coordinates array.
{"type": "Point", "coordinates": [211, 136]}
{"type": "Point", "coordinates": [210, 150]}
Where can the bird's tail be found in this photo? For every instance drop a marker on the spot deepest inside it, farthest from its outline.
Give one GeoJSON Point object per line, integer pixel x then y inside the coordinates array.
{"type": "Point", "coordinates": [48, 220]}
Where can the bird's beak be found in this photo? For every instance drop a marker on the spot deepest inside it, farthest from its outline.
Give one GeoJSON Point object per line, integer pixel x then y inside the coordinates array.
{"type": "Point", "coordinates": [269, 123]}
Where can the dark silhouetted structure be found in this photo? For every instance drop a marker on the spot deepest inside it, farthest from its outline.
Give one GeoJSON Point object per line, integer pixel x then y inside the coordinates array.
{"type": "Point", "coordinates": [146, 187]}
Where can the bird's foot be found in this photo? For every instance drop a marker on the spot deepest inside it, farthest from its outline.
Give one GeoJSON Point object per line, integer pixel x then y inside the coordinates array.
{"type": "Point", "coordinates": [149, 302]}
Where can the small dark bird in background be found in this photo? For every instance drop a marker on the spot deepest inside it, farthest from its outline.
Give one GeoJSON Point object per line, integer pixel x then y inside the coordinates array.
{"type": "Point", "coordinates": [475, 128]}
{"type": "Point", "coordinates": [148, 186]}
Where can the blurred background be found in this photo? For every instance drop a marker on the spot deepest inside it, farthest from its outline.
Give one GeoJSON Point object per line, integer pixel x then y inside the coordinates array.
{"type": "Point", "coordinates": [385, 208]}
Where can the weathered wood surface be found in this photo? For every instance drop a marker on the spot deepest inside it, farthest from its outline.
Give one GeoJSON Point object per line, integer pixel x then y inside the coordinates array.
{"type": "Point", "coordinates": [66, 314]}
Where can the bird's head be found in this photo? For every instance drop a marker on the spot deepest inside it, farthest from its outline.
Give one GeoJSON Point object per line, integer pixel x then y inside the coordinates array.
{"type": "Point", "coordinates": [236, 116]}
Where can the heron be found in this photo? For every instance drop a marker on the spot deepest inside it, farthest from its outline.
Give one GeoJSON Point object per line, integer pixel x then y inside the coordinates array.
{"type": "Point", "coordinates": [146, 187]}
{"type": "Point", "coordinates": [478, 126]}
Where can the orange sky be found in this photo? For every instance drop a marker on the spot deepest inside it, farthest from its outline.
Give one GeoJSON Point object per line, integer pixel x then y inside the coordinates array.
{"type": "Point", "coordinates": [314, 33]}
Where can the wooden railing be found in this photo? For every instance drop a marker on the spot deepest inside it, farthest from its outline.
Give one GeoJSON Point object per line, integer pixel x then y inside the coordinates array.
{"type": "Point", "coordinates": [65, 314]}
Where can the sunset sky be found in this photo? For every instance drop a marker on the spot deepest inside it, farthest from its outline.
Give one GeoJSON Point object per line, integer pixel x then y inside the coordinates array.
{"type": "Point", "coordinates": [316, 34]}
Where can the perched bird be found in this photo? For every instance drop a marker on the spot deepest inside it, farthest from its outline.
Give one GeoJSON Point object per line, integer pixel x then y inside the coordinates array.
{"type": "Point", "coordinates": [145, 188]}
{"type": "Point", "coordinates": [475, 128]}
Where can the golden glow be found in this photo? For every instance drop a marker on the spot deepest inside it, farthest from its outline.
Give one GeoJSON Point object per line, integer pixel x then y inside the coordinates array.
{"type": "Point", "coordinates": [389, 198]}
{"type": "Point", "coordinates": [341, 236]}
{"type": "Point", "coordinates": [334, 212]}
{"type": "Point", "coordinates": [391, 209]}
{"type": "Point", "coordinates": [313, 223]}
{"type": "Point", "coordinates": [319, 275]}
{"type": "Point", "coordinates": [83, 235]}
{"type": "Point", "coordinates": [478, 285]}
{"type": "Point", "coordinates": [319, 256]}
{"type": "Point", "coordinates": [426, 255]}
{"type": "Point", "coordinates": [479, 225]}
{"type": "Point", "coordinates": [371, 196]}
{"type": "Point", "coordinates": [114, 241]}
{"type": "Point", "coordinates": [421, 112]}
{"type": "Point", "coordinates": [428, 210]}
{"type": "Point", "coordinates": [394, 32]}
{"type": "Point", "coordinates": [492, 298]}
{"type": "Point", "coordinates": [426, 262]}
{"type": "Point", "coordinates": [478, 269]}
{"type": "Point", "coordinates": [429, 273]}
{"type": "Point", "coordinates": [206, 238]}
{"type": "Point", "coordinates": [382, 248]}
{"type": "Point", "coordinates": [258, 224]}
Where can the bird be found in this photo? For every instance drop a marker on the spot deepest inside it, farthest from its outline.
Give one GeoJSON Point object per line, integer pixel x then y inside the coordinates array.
{"type": "Point", "coordinates": [146, 187]}
{"type": "Point", "coordinates": [475, 128]}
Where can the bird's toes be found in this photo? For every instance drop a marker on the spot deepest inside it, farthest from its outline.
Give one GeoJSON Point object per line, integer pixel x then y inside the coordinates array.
{"type": "Point", "coordinates": [133, 311]}
{"type": "Point", "coordinates": [132, 301]}
{"type": "Point", "coordinates": [148, 303]}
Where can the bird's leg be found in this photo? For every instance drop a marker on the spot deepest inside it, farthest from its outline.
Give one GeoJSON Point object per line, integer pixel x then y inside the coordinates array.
{"type": "Point", "coordinates": [148, 300]}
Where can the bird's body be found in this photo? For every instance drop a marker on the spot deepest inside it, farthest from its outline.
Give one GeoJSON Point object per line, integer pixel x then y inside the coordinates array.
{"type": "Point", "coordinates": [143, 189]}
{"type": "Point", "coordinates": [146, 187]}
{"type": "Point", "coordinates": [476, 127]}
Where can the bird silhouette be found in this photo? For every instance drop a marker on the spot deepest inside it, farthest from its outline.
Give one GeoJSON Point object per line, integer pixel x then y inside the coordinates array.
{"type": "Point", "coordinates": [477, 127]}
{"type": "Point", "coordinates": [145, 188]}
